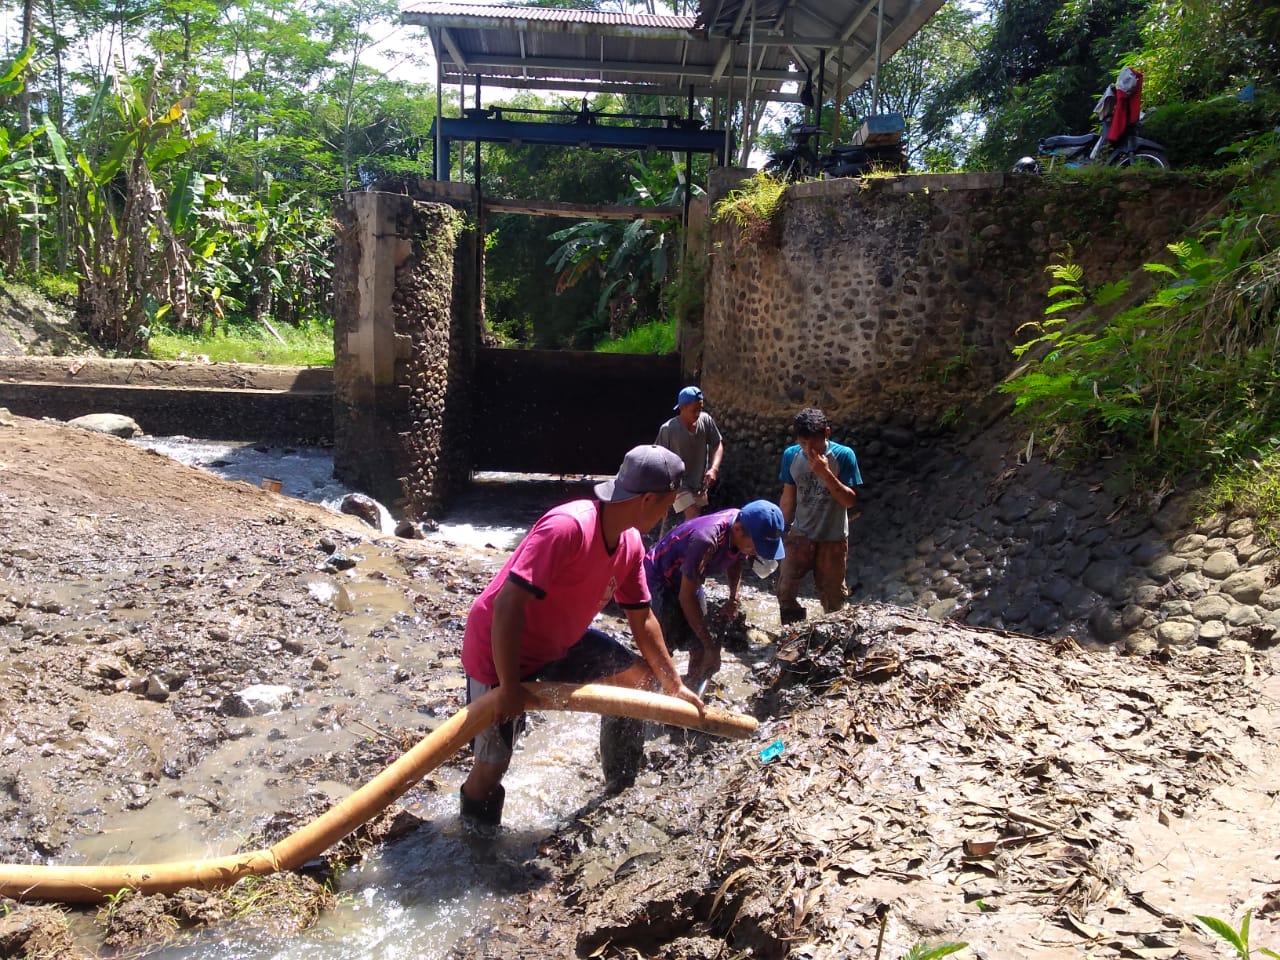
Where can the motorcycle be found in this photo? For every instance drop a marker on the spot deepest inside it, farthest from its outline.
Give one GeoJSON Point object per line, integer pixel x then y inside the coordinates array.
{"type": "Point", "coordinates": [1119, 143]}
{"type": "Point", "coordinates": [800, 160]}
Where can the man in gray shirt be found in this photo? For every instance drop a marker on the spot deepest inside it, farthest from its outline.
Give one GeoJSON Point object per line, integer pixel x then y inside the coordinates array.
{"type": "Point", "coordinates": [818, 478]}
{"type": "Point", "coordinates": [694, 437]}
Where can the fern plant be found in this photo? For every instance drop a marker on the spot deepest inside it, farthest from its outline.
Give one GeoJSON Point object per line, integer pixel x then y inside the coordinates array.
{"type": "Point", "coordinates": [1238, 940]}
{"type": "Point", "coordinates": [1185, 381]}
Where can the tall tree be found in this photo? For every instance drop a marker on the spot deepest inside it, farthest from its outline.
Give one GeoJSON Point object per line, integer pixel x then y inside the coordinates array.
{"type": "Point", "coordinates": [1040, 72]}
{"type": "Point", "coordinates": [911, 81]}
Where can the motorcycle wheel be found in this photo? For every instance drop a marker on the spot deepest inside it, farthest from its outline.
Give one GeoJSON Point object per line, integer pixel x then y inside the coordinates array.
{"type": "Point", "coordinates": [1141, 160]}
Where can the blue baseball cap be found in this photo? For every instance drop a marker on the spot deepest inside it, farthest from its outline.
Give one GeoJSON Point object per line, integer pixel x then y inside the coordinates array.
{"type": "Point", "coordinates": [688, 395]}
{"type": "Point", "coordinates": [763, 521]}
{"type": "Point", "coordinates": [645, 469]}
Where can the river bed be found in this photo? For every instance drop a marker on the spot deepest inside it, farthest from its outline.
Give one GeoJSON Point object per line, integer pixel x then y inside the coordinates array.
{"type": "Point", "coordinates": [415, 897]}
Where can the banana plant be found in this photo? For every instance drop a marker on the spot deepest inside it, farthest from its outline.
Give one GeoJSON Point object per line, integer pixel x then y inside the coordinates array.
{"type": "Point", "coordinates": [631, 259]}
{"type": "Point", "coordinates": [134, 267]}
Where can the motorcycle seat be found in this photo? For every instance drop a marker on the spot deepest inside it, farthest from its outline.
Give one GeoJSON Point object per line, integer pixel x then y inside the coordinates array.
{"type": "Point", "coordinates": [1067, 140]}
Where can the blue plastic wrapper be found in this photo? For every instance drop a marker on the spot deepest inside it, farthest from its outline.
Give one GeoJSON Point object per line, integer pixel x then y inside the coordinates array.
{"type": "Point", "coordinates": [772, 751]}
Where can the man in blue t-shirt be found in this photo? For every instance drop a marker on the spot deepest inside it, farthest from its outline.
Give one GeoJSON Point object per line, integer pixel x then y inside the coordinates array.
{"type": "Point", "coordinates": [818, 479]}
{"type": "Point", "coordinates": [707, 546]}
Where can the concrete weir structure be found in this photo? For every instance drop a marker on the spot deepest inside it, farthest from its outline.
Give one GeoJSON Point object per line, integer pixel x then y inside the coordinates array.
{"type": "Point", "coordinates": [421, 399]}
{"type": "Point", "coordinates": [896, 301]}
{"type": "Point", "coordinates": [406, 330]}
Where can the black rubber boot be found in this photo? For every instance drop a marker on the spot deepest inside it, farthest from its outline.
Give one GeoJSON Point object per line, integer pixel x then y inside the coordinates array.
{"type": "Point", "coordinates": [791, 615]}
{"type": "Point", "coordinates": [487, 812]}
{"type": "Point", "coordinates": [621, 751]}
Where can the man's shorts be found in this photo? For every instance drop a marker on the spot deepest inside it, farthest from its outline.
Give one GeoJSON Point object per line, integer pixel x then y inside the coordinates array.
{"type": "Point", "coordinates": [676, 632]}
{"type": "Point", "coordinates": [596, 656]}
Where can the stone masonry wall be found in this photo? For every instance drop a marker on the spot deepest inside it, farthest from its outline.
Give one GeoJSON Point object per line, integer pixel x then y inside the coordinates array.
{"type": "Point", "coordinates": [405, 327]}
{"type": "Point", "coordinates": [896, 301]}
{"type": "Point", "coordinates": [893, 305]}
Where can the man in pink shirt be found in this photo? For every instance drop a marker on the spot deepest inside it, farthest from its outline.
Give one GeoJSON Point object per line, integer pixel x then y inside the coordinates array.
{"type": "Point", "coordinates": [533, 621]}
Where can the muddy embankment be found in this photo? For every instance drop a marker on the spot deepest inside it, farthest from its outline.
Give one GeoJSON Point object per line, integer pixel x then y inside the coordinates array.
{"type": "Point", "coordinates": [937, 781]}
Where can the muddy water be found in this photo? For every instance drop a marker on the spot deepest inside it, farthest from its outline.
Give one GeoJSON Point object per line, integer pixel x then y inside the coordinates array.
{"type": "Point", "coordinates": [415, 897]}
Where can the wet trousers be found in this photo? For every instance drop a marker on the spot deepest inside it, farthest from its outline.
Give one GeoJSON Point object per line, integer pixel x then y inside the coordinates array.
{"type": "Point", "coordinates": [827, 560]}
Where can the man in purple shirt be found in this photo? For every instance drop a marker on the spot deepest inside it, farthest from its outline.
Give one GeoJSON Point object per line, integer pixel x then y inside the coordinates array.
{"type": "Point", "coordinates": [709, 545]}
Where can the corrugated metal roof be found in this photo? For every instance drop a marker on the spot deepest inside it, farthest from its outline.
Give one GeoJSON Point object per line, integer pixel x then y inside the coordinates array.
{"type": "Point", "coordinates": [550, 15]}
{"type": "Point", "coordinates": [774, 42]}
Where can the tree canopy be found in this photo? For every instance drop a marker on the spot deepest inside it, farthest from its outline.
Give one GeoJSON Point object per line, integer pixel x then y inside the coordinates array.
{"type": "Point", "coordinates": [178, 161]}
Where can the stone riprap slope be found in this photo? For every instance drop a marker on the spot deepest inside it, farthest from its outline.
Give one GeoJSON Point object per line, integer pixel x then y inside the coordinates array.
{"type": "Point", "coordinates": [977, 533]}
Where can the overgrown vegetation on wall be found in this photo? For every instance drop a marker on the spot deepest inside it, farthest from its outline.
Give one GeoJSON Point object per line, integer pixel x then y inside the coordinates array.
{"type": "Point", "coordinates": [1183, 383]}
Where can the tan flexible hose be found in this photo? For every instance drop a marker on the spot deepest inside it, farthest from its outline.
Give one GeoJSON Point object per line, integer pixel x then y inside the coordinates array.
{"type": "Point", "coordinates": [93, 884]}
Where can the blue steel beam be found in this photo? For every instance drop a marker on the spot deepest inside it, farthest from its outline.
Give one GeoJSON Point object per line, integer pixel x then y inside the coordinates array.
{"type": "Point", "coordinates": [470, 129]}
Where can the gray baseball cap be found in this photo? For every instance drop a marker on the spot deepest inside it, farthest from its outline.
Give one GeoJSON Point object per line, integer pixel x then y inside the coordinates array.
{"type": "Point", "coordinates": [645, 469]}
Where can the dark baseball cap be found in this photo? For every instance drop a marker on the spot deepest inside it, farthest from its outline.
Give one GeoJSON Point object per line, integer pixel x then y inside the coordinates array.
{"type": "Point", "coordinates": [645, 469]}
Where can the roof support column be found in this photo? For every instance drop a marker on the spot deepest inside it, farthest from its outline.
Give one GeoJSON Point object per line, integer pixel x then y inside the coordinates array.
{"type": "Point", "coordinates": [438, 152]}
{"type": "Point", "coordinates": [747, 132]}
{"type": "Point", "coordinates": [477, 139]}
{"type": "Point", "coordinates": [875, 76]}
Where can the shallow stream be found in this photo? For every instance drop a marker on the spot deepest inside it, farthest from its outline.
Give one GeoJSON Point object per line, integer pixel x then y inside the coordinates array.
{"type": "Point", "coordinates": [414, 897]}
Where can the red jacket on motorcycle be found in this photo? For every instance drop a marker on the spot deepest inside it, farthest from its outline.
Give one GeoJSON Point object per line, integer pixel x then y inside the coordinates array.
{"type": "Point", "coordinates": [1128, 104]}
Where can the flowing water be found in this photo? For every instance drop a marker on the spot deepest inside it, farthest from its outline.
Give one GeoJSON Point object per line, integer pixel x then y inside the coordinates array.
{"type": "Point", "coordinates": [415, 897]}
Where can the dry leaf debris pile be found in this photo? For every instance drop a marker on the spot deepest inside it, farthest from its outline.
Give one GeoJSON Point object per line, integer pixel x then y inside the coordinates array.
{"type": "Point", "coordinates": [937, 783]}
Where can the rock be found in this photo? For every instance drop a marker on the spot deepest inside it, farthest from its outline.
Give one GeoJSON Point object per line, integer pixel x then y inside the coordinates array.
{"type": "Point", "coordinates": [1013, 507]}
{"type": "Point", "coordinates": [1105, 624]}
{"type": "Point", "coordinates": [109, 668]}
{"type": "Point", "coordinates": [1247, 548]}
{"type": "Point", "coordinates": [1177, 633]}
{"type": "Point", "coordinates": [1079, 602]}
{"type": "Point", "coordinates": [942, 610]}
{"type": "Point", "coordinates": [1246, 585]}
{"type": "Point", "coordinates": [1192, 585]}
{"type": "Point", "coordinates": [156, 689]}
{"type": "Point", "coordinates": [1076, 561]}
{"type": "Point", "coordinates": [1211, 633]}
{"type": "Point", "coordinates": [366, 508]}
{"type": "Point", "coordinates": [1270, 599]}
{"type": "Point", "coordinates": [1220, 565]}
{"type": "Point", "coordinates": [1240, 528]}
{"type": "Point", "coordinates": [1241, 615]}
{"type": "Point", "coordinates": [1056, 589]}
{"type": "Point", "coordinates": [1191, 543]}
{"type": "Point", "coordinates": [1105, 578]}
{"type": "Point", "coordinates": [257, 700]}
{"type": "Point", "coordinates": [1140, 643]}
{"type": "Point", "coordinates": [1044, 617]}
{"type": "Point", "coordinates": [1147, 553]}
{"type": "Point", "coordinates": [1211, 607]}
{"type": "Point", "coordinates": [115, 424]}
{"type": "Point", "coordinates": [1133, 617]}
{"type": "Point", "coordinates": [948, 587]}
{"type": "Point", "coordinates": [408, 530]}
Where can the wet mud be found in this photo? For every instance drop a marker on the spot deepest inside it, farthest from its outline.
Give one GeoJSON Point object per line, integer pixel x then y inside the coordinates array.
{"type": "Point", "coordinates": [934, 782]}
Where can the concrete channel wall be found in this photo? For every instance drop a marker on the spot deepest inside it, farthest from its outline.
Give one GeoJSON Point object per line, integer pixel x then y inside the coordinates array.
{"type": "Point", "coordinates": [261, 404]}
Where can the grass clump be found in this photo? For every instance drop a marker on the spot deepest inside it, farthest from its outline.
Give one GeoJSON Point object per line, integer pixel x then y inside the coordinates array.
{"type": "Point", "coordinates": [309, 346]}
{"type": "Point", "coordinates": [754, 207]}
{"type": "Point", "coordinates": [659, 336]}
{"type": "Point", "coordinates": [1250, 489]}
{"type": "Point", "coordinates": [282, 903]}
